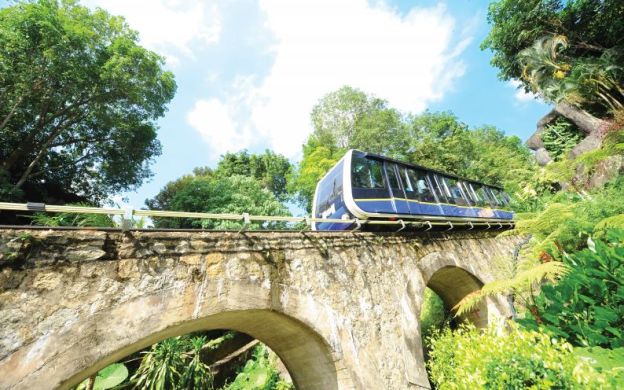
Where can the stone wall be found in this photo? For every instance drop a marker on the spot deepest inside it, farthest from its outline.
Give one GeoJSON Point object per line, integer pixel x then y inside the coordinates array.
{"type": "Point", "coordinates": [340, 309]}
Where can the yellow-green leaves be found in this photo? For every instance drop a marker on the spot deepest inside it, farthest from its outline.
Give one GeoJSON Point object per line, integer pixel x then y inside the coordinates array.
{"type": "Point", "coordinates": [508, 358]}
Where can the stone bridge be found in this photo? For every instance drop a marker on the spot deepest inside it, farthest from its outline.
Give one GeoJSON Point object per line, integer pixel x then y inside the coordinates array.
{"type": "Point", "coordinates": [340, 309]}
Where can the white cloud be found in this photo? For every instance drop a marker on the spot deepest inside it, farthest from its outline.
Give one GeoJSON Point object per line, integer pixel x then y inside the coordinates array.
{"type": "Point", "coordinates": [222, 124]}
{"type": "Point", "coordinates": [170, 27]}
{"type": "Point", "coordinates": [520, 94]}
{"type": "Point", "coordinates": [321, 45]}
{"type": "Point", "coordinates": [214, 122]}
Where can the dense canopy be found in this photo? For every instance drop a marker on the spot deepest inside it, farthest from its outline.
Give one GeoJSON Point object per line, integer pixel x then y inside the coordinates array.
{"type": "Point", "coordinates": [80, 99]}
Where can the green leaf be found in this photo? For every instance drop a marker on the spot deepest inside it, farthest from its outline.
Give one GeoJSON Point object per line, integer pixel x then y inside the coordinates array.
{"type": "Point", "coordinates": [110, 376]}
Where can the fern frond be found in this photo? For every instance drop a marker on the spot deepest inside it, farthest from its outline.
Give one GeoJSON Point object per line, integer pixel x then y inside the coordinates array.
{"type": "Point", "coordinates": [550, 271]}
{"type": "Point", "coordinates": [468, 303]}
{"type": "Point", "coordinates": [614, 222]}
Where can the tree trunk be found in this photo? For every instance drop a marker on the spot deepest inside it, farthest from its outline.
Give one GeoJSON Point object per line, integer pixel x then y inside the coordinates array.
{"type": "Point", "coordinates": [11, 112]}
{"type": "Point", "coordinates": [43, 150]}
{"type": "Point", "coordinates": [585, 121]}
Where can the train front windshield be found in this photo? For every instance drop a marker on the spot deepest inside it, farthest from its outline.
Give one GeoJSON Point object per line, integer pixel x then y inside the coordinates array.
{"type": "Point", "coordinates": [367, 178]}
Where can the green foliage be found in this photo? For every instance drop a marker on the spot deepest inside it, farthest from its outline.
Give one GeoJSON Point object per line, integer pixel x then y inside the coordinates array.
{"type": "Point", "coordinates": [218, 195]}
{"type": "Point", "coordinates": [544, 188]}
{"type": "Point", "coordinates": [349, 118]}
{"type": "Point", "coordinates": [469, 358]}
{"type": "Point", "coordinates": [433, 316]}
{"type": "Point", "coordinates": [560, 137]}
{"type": "Point", "coordinates": [174, 363]}
{"type": "Point", "coordinates": [80, 99]}
{"type": "Point", "coordinates": [604, 360]}
{"type": "Point", "coordinates": [71, 219]}
{"type": "Point", "coordinates": [107, 378]}
{"type": "Point", "coordinates": [440, 140]}
{"type": "Point", "coordinates": [547, 69]}
{"type": "Point", "coordinates": [196, 374]}
{"type": "Point", "coordinates": [587, 25]}
{"type": "Point", "coordinates": [569, 219]}
{"type": "Point", "coordinates": [163, 200]}
{"type": "Point", "coordinates": [259, 373]}
{"type": "Point", "coordinates": [270, 169]}
{"type": "Point", "coordinates": [528, 277]}
{"type": "Point", "coordinates": [587, 306]}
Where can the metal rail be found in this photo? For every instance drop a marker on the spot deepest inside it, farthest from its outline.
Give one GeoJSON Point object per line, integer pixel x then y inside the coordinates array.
{"type": "Point", "coordinates": [246, 218]}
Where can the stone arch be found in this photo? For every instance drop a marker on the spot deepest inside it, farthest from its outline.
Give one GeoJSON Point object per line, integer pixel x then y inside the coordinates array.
{"type": "Point", "coordinates": [66, 358]}
{"type": "Point", "coordinates": [452, 284]}
{"type": "Point", "coordinates": [452, 279]}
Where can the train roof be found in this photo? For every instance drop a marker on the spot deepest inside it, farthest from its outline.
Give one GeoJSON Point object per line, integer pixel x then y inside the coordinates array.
{"type": "Point", "coordinates": [380, 157]}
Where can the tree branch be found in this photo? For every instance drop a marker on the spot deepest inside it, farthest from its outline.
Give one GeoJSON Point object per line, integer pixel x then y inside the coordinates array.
{"type": "Point", "coordinates": [79, 140]}
{"type": "Point", "coordinates": [28, 144]}
{"type": "Point", "coordinates": [10, 114]}
{"type": "Point", "coordinates": [43, 150]}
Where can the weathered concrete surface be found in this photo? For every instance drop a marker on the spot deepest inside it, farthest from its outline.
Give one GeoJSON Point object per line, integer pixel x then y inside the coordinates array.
{"type": "Point", "coordinates": [341, 310]}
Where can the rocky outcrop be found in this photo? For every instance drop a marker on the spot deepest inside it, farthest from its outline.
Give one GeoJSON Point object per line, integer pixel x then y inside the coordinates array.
{"type": "Point", "coordinates": [602, 173]}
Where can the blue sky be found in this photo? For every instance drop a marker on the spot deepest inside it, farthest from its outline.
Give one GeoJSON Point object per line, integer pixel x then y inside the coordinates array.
{"type": "Point", "coordinates": [249, 72]}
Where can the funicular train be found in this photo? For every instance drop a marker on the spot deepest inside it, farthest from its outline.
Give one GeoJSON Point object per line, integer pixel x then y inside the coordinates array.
{"type": "Point", "coordinates": [369, 186]}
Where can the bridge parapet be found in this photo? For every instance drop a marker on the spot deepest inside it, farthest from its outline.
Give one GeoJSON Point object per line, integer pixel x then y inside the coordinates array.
{"type": "Point", "coordinates": [340, 309]}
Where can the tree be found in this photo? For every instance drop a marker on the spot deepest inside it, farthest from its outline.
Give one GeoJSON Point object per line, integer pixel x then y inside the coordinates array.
{"type": "Point", "coordinates": [568, 52]}
{"type": "Point", "coordinates": [349, 118]}
{"type": "Point", "coordinates": [164, 199]}
{"type": "Point", "coordinates": [590, 26]}
{"type": "Point", "coordinates": [270, 169]}
{"type": "Point", "coordinates": [219, 195]}
{"type": "Point", "coordinates": [80, 99]}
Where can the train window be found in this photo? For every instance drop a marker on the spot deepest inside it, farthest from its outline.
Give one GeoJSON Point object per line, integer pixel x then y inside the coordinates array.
{"type": "Point", "coordinates": [484, 195]}
{"type": "Point", "coordinates": [472, 198]}
{"type": "Point", "coordinates": [440, 189]}
{"type": "Point", "coordinates": [367, 173]}
{"type": "Point", "coordinates": [392, 179]}
{"type": "Point", "coordinates": [454, 191]}
{"type": "Point", "coordinates": [417, 185]}
{"type": "Point", "coordinates": [407, 183]}
{"type": "Point", "coordinates": [478, 197]}
{"type": "Point", "coordinates": [495, 202]}
{"type": "Point", "coordinates": [501, 196]}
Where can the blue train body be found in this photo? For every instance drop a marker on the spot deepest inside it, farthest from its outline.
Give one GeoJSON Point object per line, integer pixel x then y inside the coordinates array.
{"type": "Point", "coordinates": [369, 186]}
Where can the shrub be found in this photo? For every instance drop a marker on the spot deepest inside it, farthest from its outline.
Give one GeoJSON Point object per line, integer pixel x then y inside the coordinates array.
{"type": "Point", "coordinates": [469, 358]}
{"type": "Point", "coordinates": [174, 363]}
{"type": "Point", "coordinates": [260, 373]}
{"type": "Point", "coordinates": [433, 316]}
{"type": "Point", "coordinates": [586, 307]}
{"type": "Point", "coordinates": [571, 218]}
{"type": "Point", "coordinates": [70, 219]}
